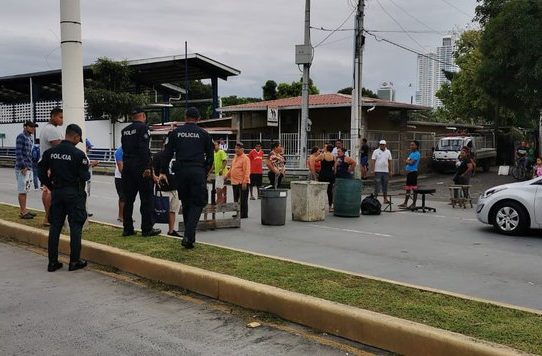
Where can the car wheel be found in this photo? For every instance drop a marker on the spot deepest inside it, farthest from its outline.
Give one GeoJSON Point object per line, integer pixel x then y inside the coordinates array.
{"type": "Point", "coordinates": [510, 218]}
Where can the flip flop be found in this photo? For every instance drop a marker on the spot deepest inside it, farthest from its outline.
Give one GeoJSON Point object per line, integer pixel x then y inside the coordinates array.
{"type": "Point", "coordinates": [26, 216]}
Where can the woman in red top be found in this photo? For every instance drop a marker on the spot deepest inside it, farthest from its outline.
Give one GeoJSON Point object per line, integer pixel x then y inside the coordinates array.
{"type": "Point", "coordinates": [256, 168]}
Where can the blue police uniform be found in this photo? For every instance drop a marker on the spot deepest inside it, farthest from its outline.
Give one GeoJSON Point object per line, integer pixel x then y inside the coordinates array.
{"type": "Point", "coordinates": [64, 169]}
{"type": "Point", "coordinates": [194, 153]}
{"type": "Point", "coordinates": [137, 158]}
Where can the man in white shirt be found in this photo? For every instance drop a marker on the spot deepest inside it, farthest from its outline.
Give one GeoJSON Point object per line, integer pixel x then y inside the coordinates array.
{"type": "Point", "coordinates": [51, 135]}
{"type": "Point", "coordinates": [382, 163]}
{"type": "Point", "coordinates": [339, 144]}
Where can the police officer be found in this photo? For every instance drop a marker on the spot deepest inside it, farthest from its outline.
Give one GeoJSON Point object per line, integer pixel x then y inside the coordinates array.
{"type": "Point", "coordinates": [194, 153]}
{"type": "Point", "coordinates": [63, 169]}
{"type": "Point", "coordinates": [136, 174]}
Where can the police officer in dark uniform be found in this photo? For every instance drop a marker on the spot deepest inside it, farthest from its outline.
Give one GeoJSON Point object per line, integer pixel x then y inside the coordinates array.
{"type": "Point", "coordinates": [136, 174]}
{"type": "Point", "coordinates": [63, 169]}
{"type": "Point", "coordinates": [194, 153]}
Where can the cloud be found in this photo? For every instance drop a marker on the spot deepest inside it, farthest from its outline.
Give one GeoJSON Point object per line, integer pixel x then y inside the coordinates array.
{"type": "Point", "coordinates": [254, 36]}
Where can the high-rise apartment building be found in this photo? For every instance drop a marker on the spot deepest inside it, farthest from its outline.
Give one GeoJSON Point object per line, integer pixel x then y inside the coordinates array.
{"type": "Point", "coordinates": [431, 75]}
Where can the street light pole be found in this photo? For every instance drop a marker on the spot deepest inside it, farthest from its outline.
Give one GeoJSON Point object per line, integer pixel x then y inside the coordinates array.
{"type": "Point", "coordinates": [358, 125]}
{"type": "Point", "coordinates": [305, 91]}
{"type": "Point", "coordinates": [73, 96]}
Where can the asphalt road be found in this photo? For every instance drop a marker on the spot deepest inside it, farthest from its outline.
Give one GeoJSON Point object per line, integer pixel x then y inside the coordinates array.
{"type": "Point", "coordinates": [89, 313]}
{"type": "Point", "coordinates": [447, 250]}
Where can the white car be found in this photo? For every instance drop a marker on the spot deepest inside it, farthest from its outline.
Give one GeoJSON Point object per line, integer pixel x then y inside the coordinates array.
{"type": "Point", "coordinates": [512, 208]}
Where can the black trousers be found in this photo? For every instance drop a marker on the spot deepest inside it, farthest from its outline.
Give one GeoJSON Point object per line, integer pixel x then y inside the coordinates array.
{"type": "Point", "coordinates": [240, 194]}
{"type": "Point", "coordinates": [274, 179]}
{"type": "Point", "coordinates": [70, 202]}
{"type": "Point", "coordinates": [132, 184]}
{"type": "Point", "coordinates": [192, 188]}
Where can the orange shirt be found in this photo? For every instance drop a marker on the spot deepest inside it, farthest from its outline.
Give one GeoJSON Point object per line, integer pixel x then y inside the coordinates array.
{"type": "Point", "coordinates": [240, 170]}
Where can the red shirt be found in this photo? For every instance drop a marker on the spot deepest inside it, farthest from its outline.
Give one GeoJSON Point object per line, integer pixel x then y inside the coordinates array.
{"type": "Point", "coordinates": [256, 162]}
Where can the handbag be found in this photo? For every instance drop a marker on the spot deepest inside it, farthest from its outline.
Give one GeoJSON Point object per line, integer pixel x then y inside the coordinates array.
{"type": "Point", "coordinates": [160, 207]}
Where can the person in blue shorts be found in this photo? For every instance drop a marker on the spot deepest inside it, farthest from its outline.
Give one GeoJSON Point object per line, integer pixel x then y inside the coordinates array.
{"type": "Point", "coordinates": [411, 168]}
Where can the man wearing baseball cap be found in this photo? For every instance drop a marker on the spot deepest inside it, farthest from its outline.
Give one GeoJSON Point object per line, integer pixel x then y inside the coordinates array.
{"type": "Point", "coordinates": [23, 166]}
{"type": "Point", "coordinates": [382, 163]}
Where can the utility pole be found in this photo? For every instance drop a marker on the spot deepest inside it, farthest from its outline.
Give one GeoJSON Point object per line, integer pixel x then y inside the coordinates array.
{"type": "Point", "coordinates": [358, 124]}
{"type": "Point", "coordinates": [73, 96]}
{"type": "Point", "coordinates": [307, 50]}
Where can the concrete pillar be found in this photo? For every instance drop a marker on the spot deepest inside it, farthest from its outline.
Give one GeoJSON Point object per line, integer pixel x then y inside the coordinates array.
{"type": "Point", "coordinates": [214, 85]}
{"type": "Point", "coordinates": [73, 96]}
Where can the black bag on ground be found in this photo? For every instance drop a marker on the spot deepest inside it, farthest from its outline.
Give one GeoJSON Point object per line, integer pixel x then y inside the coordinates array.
{"type": "Point", "coordinates": [371, 206]}
{"type": "Point", "coordinates": [160, 208]}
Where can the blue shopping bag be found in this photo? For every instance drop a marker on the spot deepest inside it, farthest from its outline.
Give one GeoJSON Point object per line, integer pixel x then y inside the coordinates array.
{"type": "Point", "coordinates": [161, 208]}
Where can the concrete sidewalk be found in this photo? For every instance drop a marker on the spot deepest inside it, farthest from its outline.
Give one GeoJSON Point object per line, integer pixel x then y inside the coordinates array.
{"type": "Point", "coordinates": [88, 313]}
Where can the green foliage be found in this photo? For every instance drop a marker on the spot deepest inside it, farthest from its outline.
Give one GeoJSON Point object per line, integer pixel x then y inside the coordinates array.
{"type": "Point", "coordinates": [368, 93]}
{"type": "Point", "coordinates": [488, 9]}
{"type": "Point", "coordinates": [110, 92]}
{"type": "Point", "coordinates": [285, 90]}
{"type": "Point", "coordinates": [270, 90]}
{"type": "Point", "coordinates": [235, 100]}
{"type": "Point", "coordinates": [510, 71]}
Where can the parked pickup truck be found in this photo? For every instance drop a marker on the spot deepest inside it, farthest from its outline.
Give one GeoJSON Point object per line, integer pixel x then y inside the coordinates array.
{"type": "Point", "coordinates": [482, 146]}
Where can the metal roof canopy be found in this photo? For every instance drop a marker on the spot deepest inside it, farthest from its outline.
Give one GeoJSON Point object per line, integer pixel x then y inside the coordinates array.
{"type": "Point", "coordinates": [149, 72]}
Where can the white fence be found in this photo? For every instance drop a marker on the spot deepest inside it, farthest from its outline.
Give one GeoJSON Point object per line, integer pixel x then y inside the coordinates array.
{"type": "Point", "coordinates": [19, 113]}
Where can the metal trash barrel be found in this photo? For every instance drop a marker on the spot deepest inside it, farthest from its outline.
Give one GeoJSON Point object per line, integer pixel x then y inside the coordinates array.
{"type": "Point", "coordinates": [347, 197]}
{"type": "Point", "coordinates": [309, 200]}
{"type": "Point", "coordinates": [274, 206]}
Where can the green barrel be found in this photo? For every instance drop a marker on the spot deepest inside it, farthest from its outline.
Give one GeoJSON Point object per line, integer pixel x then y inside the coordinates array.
{"type": "Point", "coordinates": [347, 197]}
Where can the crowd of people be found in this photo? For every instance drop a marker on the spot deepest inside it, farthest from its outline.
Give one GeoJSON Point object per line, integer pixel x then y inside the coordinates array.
{"type": "Point", "coordinates": [180, 171]}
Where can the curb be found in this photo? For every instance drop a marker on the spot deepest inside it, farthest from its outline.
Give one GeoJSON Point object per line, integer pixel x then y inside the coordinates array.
{"type": "Point", "coordinates": [370, 328]}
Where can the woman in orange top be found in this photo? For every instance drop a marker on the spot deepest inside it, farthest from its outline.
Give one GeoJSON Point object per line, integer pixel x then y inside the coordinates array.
{"type": "Point", "coordinates": [239, 175]}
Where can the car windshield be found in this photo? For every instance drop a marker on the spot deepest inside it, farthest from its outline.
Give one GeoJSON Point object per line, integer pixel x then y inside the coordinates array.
{"type": "Point", "coordinates": [450, 145]}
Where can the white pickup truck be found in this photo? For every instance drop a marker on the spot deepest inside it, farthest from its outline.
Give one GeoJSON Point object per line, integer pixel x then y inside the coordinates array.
{"type": "Point", "coordinates": [482, 146]}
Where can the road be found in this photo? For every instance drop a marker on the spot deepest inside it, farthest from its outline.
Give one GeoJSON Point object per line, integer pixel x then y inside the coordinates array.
{"type": "Point", "coordinates": [448, 250]}
{"type": "Point", "coordinates": [89, 313]}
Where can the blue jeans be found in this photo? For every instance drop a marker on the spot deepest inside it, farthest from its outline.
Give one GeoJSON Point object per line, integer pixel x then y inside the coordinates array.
{"type": "Point", "coordinates": [381, 182]}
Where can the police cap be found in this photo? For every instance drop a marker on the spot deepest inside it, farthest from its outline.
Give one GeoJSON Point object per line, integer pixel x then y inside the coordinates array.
{"type": "Point", "coordinates": [192, 113]}
{"type": "Point", "coordinates": [137, 111]}
{"type": "Point", "coordinates": [75, 129]}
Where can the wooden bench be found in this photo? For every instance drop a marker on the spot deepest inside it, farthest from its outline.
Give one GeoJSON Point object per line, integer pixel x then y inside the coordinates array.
{"type": "Point", "coordinates": [211, 220]}
{"type": "Point", "coordinates": [460, 196]}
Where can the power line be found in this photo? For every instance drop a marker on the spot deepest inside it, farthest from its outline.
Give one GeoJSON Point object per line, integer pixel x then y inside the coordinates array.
{"type": "Point", "coordinates": [383, 31]}
{"type": "Point", "coordinates": [413, 17]}
{"type": "Point", "coordinates": [457, 8]}
{"type": "Point", "coordinates": [337, 29]}
{"type": "Point", "coordinates": [381, 39]}
{"type": "Point", "coordinates": [398, 24]}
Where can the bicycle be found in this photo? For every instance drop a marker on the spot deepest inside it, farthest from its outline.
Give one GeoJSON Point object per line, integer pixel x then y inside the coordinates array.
{"type": "Point", "coordinates": [521, 171]}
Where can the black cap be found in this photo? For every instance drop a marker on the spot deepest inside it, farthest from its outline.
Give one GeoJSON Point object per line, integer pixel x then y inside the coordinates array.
{"type": "Point", "coordinates": [30, 123]}
{"type": "Point", "coordinates": [73, 128]}
{"type": "Point", "coordinates": [137, 111]}
{"type": "Point", "coordinates": [192, 113]}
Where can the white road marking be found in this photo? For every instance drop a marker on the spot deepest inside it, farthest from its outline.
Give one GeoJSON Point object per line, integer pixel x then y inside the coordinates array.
{"type": "Point", "coordinates": [350, 230]}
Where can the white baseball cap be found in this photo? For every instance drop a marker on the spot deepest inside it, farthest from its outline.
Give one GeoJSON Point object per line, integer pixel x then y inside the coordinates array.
{"type": "Point", "coordinates": [382, 142]}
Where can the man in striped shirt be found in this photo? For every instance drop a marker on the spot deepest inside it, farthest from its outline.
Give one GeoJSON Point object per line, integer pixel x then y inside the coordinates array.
{"type": "Point", "coordinates": [23, 166]}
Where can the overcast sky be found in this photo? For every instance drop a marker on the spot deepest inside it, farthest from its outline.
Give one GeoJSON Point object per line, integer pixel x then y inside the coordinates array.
{"type": "Point", "coordinates": [255, 36]}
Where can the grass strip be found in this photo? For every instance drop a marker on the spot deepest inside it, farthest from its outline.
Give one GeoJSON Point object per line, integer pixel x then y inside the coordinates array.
{"type": "Point", "coordinates": [518, 329]}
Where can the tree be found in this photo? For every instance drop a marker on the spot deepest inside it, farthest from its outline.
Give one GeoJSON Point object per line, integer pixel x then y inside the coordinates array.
{"type": "Point", "coordinates": [270, 90]}
{"type": "Point", "coordinates": [235, 100]}
{"type": "Point", "coordinates": [110, 92]}
{"type": "Point", "coordinates": [463, 99]}
{"type": "Point", "coordinates": [285, 90]}
{"type": "Point", "coordinates": [510, 71]}
{"type": "Point", "coordinates": [368, 93]}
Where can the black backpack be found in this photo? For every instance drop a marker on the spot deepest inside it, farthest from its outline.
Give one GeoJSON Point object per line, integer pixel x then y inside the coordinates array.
{"type": "Point", "coordinates": [371, 206]}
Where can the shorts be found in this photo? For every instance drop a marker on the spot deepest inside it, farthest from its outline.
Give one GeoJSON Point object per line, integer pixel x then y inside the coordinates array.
{"type": "Point", "coordinates": [364, 161]}
{"type": "Point", "coordinates": [411, 181]}
{"type": "Point", "coordinates": [174, 204]}
{"type": "Point", "coordinates": [24, 182]}
{"type": "Point", "coordinates": [256, 180]}
{"type": "Point", "coordinates": [118, 187]}
{"type": "Point", "coordinates": [219, 182]}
